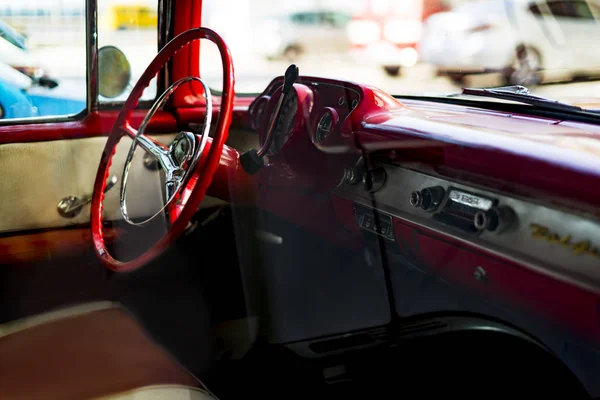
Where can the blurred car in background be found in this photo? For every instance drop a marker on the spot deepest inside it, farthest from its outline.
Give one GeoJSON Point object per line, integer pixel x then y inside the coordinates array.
{"type": "Point", "coordinates": [133, 16]}
{"type": "Point", "coordinates": [22, 96]}
{"type": "Point", "coordinates": [295, 34]}
{"type": "Point", "coordinates": [526, 41]}
{"type": "Point", "coordinates": [14, 52]}
{"type": "Point", "coordinates": [387, 33]}
{"type": "Point", "coordinates": [11, 35]}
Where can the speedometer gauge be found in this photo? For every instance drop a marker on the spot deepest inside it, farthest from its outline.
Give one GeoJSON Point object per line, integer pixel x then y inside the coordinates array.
{"type": "Point", "coordinates": [327, 123]}
{"type": "Point", "coordinates": [258, 111]}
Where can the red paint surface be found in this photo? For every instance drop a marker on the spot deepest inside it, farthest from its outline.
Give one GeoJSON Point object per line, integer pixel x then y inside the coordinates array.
{"type": "Point", "coordinates": [187, 60]}
{"type": "Point", "coordinates": [539, 158]}
{"type": "Point", "coordinates": [518, 154]}
{"type": "Point", "coordinates": [522, 289]}
{"type": "Point", "coordinates": [95, 124]}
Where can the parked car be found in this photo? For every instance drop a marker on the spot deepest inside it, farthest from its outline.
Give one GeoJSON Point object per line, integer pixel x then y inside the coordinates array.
{"type": "Point", "coordinates": [387, 34]}
{"type": "Point", "coordinates": [526, 41]}
{"type": "Point", "coordinates": [15, 52]}
{"type": "Point", "coordinates": [308, 32]}
{"type": "Point", "coordinates": [22, 96]}
{"type": "Point", "coordinates": [11, 35]}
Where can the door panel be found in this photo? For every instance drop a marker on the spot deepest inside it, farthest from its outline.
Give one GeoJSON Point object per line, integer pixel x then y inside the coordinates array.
{"type": "Point", "coordinates": [35, 176]}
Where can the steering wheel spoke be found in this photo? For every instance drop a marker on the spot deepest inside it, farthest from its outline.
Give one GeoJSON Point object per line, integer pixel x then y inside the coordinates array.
{"type": "Point", "coordinates": [128, 130]}
{"type": "Point", "coordinates": [159, 151]}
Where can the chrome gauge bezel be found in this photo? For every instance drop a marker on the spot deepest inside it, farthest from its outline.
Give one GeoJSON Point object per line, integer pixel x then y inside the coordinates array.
{"type": "Point", "coordinates": [321, 134]}
{"type": "Point", "coordinates": [258, 112]}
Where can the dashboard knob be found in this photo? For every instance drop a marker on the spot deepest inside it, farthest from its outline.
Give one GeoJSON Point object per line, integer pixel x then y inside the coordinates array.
{"type": "Point", "coordinates": [432, 197]}
{"type": "Point", "coordinates": [374, 179]}
{"type": "Point", "coordinates": [498, 219]}
{"type": "Point", "coordinates": [415, 199]}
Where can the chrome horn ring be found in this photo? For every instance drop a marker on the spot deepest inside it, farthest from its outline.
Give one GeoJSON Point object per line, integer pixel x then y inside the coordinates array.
{"type": "Point", "coordinates": [178, 160]}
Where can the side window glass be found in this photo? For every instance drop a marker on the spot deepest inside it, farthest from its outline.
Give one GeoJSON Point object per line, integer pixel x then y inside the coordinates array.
{"type": "Point", "coordinates": [132, 28]}
{"type": "Point", "coordinates": [561, 9]}
{"type": "Point", "coordinates": [334, 19]}
{"type": "Point", "coordinates": [537, 10]}
{"type": "Point", "coordinates": [42, 59]}
{"type": "Point", "coordinates": [340, 19]}
{"type": "Point", "coordinates": [303, 19]}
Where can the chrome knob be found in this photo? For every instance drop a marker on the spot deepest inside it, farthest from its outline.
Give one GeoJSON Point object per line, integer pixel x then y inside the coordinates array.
{"type": "Point", "coordinates": [481, 220]}
{"type": "Point", "coordinates": [432, 197]}
{"type": "Point", "coordinates": [498, 219]}
{"type": "Point", "coordinates": [480, 274]}
{"type": "Point", "coordinates": [415, 199]}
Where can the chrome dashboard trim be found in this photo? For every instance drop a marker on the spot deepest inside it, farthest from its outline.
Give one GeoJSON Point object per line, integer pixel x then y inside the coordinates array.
{"type": "Point", "coordinates": [517, 245]}
{"type": "Point", "coordinates": [91, 15]}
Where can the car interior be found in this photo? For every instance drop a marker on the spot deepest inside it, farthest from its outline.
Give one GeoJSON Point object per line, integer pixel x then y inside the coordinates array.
{"type": "Point", "coordinates": [322, 238]}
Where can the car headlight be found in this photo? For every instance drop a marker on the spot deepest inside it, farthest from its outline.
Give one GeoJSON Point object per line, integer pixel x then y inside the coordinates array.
{"type": "Point", "coordinates": [362, 32]}
{"type": "Point", "coordinates": [403, 31]}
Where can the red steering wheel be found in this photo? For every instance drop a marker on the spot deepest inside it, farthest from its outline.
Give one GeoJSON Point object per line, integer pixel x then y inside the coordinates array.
{"type": "Point", "coordinates": [187, 179]}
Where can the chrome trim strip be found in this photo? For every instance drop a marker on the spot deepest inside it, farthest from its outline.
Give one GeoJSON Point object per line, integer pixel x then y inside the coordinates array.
{"type": "Point", "coordinates": [91, 15]}
{"type": "Point", "coordinates": [164, 35]}
{"type": "Point", "coordinates": [44, 120]}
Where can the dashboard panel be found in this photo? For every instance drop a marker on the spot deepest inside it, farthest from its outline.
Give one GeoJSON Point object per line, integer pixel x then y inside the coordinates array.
{"type": "Point", "coordinates": [533, 257]}
{"type": "Point", "coordinates": [546, 239]}
{"type": "Point", "coordinates": [501, 203]}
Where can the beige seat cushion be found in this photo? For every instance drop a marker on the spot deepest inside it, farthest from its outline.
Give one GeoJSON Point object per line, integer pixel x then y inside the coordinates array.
{"type": "Point", "coordinates": [164, 392]}
{"type": "Point", "coordinates": [90, 351]}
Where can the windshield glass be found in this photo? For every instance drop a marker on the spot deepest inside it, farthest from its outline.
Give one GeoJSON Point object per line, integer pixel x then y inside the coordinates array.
{"type": "Point", "coordinates": [416, 47]}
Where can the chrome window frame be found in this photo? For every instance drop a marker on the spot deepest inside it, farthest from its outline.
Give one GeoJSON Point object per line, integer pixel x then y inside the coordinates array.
{"type": "Point", "coordinates": [164, 33]}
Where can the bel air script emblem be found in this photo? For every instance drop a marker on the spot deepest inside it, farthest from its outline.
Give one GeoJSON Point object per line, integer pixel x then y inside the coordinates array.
{"type": "Point", "coordinates": [578, 247]}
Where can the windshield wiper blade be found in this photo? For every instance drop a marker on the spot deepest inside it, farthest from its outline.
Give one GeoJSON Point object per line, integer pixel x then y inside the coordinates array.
{"type": "Point", "coordinates": [522, 95]}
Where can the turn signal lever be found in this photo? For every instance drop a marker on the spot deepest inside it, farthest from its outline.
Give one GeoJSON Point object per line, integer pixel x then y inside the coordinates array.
{"type": "Point", "coordinates": [253, 160]}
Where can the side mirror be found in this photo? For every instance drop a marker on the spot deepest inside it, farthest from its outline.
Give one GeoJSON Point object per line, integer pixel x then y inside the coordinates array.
{"type": "Point", "coordinates": [114, 72]}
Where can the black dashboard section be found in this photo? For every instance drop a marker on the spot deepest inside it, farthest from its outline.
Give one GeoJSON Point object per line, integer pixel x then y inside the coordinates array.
{"type": "Point", "coordinates": [315, 288]}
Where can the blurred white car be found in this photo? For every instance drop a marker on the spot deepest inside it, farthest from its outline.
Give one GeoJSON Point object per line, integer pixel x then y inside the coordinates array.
{"type": "Point", "coordinates": [527, 41]}
{"type": "Point", "coordinates": [307, 32]}
{"type": "Point", "coordinates": [14, 52]}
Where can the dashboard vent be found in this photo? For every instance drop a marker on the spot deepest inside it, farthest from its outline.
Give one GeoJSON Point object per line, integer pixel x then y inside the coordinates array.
{"type": "Point", "coordinates": [357, 340]}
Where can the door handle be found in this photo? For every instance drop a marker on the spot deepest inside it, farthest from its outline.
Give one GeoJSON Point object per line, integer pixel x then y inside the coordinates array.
{"type": "Point", "coordinates": [71, 206]}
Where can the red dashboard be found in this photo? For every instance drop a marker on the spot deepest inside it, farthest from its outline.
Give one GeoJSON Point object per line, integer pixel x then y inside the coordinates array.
{"type": "Point", "coordinates": [501, 203]}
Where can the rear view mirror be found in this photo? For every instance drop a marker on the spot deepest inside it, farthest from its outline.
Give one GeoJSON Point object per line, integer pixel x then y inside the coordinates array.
{"type": "Point", "coordinates": [114, 72]}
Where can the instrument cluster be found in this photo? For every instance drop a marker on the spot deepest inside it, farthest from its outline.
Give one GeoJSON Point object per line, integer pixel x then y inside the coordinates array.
{"type": "Point", "coordinates": [314, 106]}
